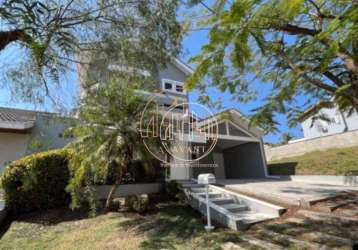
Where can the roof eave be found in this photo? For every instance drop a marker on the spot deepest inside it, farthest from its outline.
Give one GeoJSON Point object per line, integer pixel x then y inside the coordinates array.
{"type": "Point", "coordinates": [182, 66]}
{"type": "Point", "coordinates": [17, 125]}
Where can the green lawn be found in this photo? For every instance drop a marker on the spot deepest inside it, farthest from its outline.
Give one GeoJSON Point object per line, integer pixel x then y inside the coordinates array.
{"type": "Point", "coordinates": [171, 226]}
{"type": "Point", "coordinates": [342, 161]}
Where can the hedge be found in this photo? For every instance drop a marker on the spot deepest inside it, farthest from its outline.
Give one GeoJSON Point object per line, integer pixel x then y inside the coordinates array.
{"type": "Point", "coordinates": [37, 182]}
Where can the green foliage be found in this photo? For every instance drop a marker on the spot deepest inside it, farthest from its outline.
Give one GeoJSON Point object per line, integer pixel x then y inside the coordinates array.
{"type": "Point", "coordinates": [108, 142]}
{"type": "Point", "coordinates": [138, 203]}
{"type": "Point", "coordinates": [138, 172]}
{"type": "Point", "coordinates": [299, 48]}
{"type": "Point", "coordinates": [50, 35]}
{"type": "Point", "coordinates": [35, 144]}
{"type": "Point", "coordinates": [172, 189]}
{"type": "Point", "coordinates": [336, 161]}
{"type": "Point", "coordinates": [37, 181]}
{"type": "Point", "coordinates": [285, 138]}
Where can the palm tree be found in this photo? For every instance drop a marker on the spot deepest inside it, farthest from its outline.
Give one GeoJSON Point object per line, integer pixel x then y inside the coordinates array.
{"type": "Point", "coordinates": [107, 138]}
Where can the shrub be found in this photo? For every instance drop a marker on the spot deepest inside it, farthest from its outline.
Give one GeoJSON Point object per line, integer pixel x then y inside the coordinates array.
{"type": "Point", "coordinates": [172, 189]}
{"type": "Point", "coordinates": [138, 173]}
{"type": "Point", "coordinates": [138, 203]}
{"type": "Point", "coordinates": [37, 181]}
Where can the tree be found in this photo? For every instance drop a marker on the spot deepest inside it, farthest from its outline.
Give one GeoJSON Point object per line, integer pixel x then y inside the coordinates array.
{"type": "Point", "coordinates": [285, 138]}
{"type": "Point", "coordinates": [138, 40]}
{"type": "Point", "coordinates": [107, 140]}
{"type": "Point", "coordinates": [303, 48]}
{"type": "Point", "coordinates": [48, 34]}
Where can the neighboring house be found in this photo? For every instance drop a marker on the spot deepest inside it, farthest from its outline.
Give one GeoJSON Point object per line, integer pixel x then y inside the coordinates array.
{"type": "Point", "coordinates": [23, 132]}
{"type": "Point", "coordinates": [239, 151]}
{"type": "Point", "coordinates": [335, 122]}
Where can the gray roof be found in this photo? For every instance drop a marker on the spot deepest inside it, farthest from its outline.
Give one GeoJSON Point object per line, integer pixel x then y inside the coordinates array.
{"type": "Point", "coordinates": [17, 119]}
{"type": "Point", "coordinates": [237, 117]}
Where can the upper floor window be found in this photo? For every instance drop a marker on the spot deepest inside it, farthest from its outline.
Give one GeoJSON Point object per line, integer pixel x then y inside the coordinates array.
{"type": "Point", "coordinates": [173, 86]}
{"type": "Point", "coordinates": [168, 86]}
{"type": "Point", "coordinates": [179, 88]}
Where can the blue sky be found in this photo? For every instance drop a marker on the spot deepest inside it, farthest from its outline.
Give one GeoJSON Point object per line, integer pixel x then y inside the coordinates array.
{"type": "Point", "coordinates": [191, 46]}
{"type": "Point", "coordinates": [69, 86]}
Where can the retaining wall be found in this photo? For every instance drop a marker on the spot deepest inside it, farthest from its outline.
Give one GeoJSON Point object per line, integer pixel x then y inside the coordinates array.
{"type": "Point", "coordinates": [347, 139]}
{"type": "Point", "coordinates": [128, 189]}
{"type": "Point", "coordinates": [324, 179]}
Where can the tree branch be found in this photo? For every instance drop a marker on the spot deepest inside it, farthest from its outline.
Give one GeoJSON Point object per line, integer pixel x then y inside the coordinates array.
{"type": "Point", "coordinates": [342, 53]}
{"type": "Point", "coordinates": [297, 30]}
{"type": "Point", "coordinates": [7, 37]}
{"type": "Point", "coordinates": [313, 81]}
{"type": "Point", "coordinates": [335, 79]}
{"type": "Point", "coordinates": [207, 7]}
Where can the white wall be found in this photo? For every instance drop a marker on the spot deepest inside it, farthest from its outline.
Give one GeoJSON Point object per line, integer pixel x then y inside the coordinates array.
{"type": "Point", "coordinates": [48, 132]}
{"type": "Point", "coordinates": [12, 147]}
{"type": "Point", "coordinates": [336, 126]}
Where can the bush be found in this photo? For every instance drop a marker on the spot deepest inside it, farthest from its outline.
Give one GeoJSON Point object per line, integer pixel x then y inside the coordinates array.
{"type": "Point", "coordinates": [138, 203]}
{"type": "Point", "coordinates": [172, 189]}
{"type": "Point", "coordinates": [37, 181]}
{"type": "Point", "coordinates": [138, 173]}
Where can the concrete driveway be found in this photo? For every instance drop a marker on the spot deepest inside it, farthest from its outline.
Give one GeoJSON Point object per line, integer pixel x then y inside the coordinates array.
{"type": "Point", "coordinates": [283, 191]}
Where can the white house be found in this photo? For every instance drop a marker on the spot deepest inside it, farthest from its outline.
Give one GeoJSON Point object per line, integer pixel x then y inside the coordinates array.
{"type": "Point", "coordinates": [336, 122]}
{"type": "Point", "coordinates": [23, 132]}
{"type": "Point", "coordinates": [239, 151]}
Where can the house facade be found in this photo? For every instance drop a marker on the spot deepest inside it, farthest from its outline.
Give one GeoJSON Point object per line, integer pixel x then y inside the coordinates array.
{"type": "Point", "coordinates": [23, 132]}
{"type": "Point", "coordinates": [335, 122]}
{"type": "Point", "coordinates": [238, 151]}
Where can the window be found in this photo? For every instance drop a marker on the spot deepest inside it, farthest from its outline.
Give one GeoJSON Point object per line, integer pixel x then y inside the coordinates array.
{"type": "Point", "coordinates": [168, 86]}
{"type": "Point", "coordinates": [168, 106]}
{"type": "Point", "coordinates": [179, 88]}
{"type": "Point", "coordinates": [173, 86]}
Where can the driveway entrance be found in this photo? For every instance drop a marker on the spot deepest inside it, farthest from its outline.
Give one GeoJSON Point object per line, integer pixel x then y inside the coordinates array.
{"type": "Point", "coordinates": [283, 191]}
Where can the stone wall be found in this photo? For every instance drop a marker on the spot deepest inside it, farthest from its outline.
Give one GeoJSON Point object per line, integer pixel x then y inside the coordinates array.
{"type": "Point", "coordinates": [348, 139]}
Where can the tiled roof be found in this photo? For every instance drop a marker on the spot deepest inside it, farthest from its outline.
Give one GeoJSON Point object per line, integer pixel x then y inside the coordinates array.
{"type": "Point", "coordinates": [16, 118]}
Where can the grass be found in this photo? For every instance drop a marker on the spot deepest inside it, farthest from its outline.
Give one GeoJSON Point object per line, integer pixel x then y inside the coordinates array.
{"type": "Point", "coordinates": [339, 161]}
{"type": "Point", "coordinates": [173, 226]}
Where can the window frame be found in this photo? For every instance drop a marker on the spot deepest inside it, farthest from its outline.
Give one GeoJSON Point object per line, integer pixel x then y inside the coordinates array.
{"type": "Point", "coordinates": [174, 86]}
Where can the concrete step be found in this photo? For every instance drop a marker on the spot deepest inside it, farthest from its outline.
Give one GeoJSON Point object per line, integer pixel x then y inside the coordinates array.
{"type": "Point", "coordinates": [261, 243]}
{"type": "Point", "coordinates": [234, 207]}
{"type": "Point", "coordinates": [327, 238]}
{"type": "Point", "coordinates": [251, 217]}
{"type": "Point", "coordinates": [300, 244]}
{"type": "Point", "coordinates": [327, 217]}
{"type": "Point", "coordinates": [222, 200]}
{"type": "Point", "coordinates": [198, 190]}
{"type": "Point", "coordinates": [330, 206]}
{"type": "Point", "coordinates": [192, 185]}
{"type": "Point", "coordinates": [211, 195]}
{"type": "Point", "coordinates": [234, 210]}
